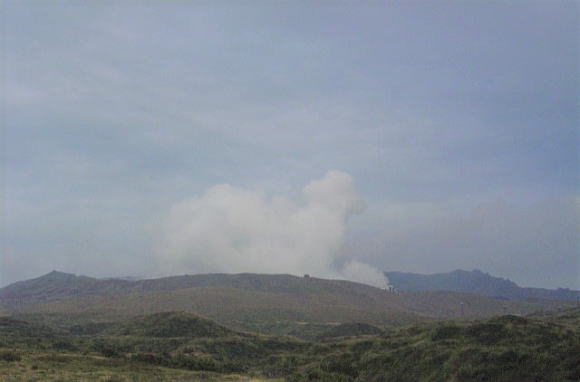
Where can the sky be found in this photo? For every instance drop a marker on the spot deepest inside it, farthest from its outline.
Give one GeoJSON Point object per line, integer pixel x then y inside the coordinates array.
{"type": "Point", "coordinates": [341, 138]}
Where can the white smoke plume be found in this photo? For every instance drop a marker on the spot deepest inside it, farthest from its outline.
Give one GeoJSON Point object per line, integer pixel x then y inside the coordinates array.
{"type": "Point", "coordinates": [230, 229]}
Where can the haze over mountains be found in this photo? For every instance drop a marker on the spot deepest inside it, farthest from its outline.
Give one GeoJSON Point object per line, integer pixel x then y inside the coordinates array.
{"type": "Point", "coordinates": [476, 282]}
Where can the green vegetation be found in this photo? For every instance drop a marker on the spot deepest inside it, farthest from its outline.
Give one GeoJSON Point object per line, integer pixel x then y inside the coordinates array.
{"type": "Point", "coordinates": [170, 324]}
{"type": "Point", "coordinates": [179, 346]}
{"type": "Point", "coordinates": [350, 330]}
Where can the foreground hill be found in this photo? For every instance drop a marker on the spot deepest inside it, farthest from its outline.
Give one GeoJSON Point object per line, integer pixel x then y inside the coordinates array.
{"type": "Point", "coordinates": [350, 329]}
{"type": "Point", "coordinates": [539, 348]}
{"type": "Point", "coordinates": [170, 324]}
{"type": "Point", "coordinates": [476, 282]}
{"type": "Point", "coordinates": [271, 304]}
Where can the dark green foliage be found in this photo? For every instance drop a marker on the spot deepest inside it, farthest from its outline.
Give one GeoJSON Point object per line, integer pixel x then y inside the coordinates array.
{"type": "Point", "coordinates": [187, 361]}
{"type": "Point", "coordinates": [152, 358]}
{"type": "Point", "coordinates": [510, 319]}
{"type": "Point", "coordinates": [112, 379]}
{"type": "Point", "coordinates": [64, 345]}
{"type": "Point", "coordinates": [344, 363]}
{"type": "Point", "coordinates": [55, 358]}
{"type": "Point", "coordinates": [446, 332]}
{"type": "Point", "coordinates": [9, 356]}
{"type": "Point", "coordinates": [501, 349]}
{"type": "Point", "coordinates": [318, 375]}
{"type": "Point", "coordinates": [206, 364]}
{"type": "Point", "coordinates": [351, 329]}
{"type": "Point", "coordinates": [107, 349]}
{"type": "Point", "coordinates": [171, 324]}
{"type": "Point", "coordinates": [14, 327]}
{"type": "Point", "coordinates": [90, 328]}
{"type": "Point", "coordinates": [488, 333]}
{"type": "Point", "coordinates": [281, 365]}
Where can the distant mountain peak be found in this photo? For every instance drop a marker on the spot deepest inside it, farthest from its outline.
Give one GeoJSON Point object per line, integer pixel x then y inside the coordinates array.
{"type": "Point", "coordinates": [475, 282]}
{"type": "Point", "coordinates": [472, 272]}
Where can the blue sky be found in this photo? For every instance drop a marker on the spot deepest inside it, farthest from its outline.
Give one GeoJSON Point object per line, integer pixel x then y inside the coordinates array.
{"type": "Point", "coordinates": [458, 122]}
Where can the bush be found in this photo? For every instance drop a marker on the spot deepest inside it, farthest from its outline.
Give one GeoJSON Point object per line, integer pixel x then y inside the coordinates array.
{"type": "Point", "coordinates": [340, 364]}
{"type": "Point", "coordinates": [107, 350]}
{"type": "Point", "coordinates": [64, 345]}
{"type": "Point", "coordinates": [54, 358]}
{"type": "Point", "coordinates": [446, 332]}
{"type": "Point", "coordinates": [324, 376]}
{"type": "Point", "coordinates": [317, 375]}
{"type": "Point", "coordinates": [205, 364]}
{"type": "Point", "coordinates": [9, 356]}
{"type": "Point", "coordinates": [112, 379]}
{"type": "Point", "coordinates": [487, 333]}
{"type": "Point", "coordinates": [151, 358]}
{"type": "Point", "coordinates": [511, 319]}
{"type": "Point", "coordinates": [277, 366]}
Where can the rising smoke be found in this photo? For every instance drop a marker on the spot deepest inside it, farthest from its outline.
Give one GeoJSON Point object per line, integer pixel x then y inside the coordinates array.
{"type": "Point", "coordinates": [230, 229]}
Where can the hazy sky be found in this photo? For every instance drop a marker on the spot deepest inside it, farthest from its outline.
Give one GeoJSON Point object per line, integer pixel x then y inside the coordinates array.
{"type": "Point", "coordinates": [455, 124]}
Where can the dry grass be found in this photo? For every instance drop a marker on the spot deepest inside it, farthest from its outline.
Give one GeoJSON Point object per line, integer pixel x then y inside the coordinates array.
{"type": "Point", "coordinates": [50, 367]}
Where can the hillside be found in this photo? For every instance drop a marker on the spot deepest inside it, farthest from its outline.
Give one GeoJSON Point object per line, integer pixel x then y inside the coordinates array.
{"type": "Point", "coordinates": [170, 324]}
{"type": "Point", "coordinates": [476, 282]}
{"type": "Point", "coordinates": [10, 326]}
{"type": "Point", "coordinates": [350, 329]}
{"type": "Point", "coordinates": [538, 348]}
{"type": "Point", "coordinates": [56, 286]}
{"type": "Point", "coordinates": [271, 304]}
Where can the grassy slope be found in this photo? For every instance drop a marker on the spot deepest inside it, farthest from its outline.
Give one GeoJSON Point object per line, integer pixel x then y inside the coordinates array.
{"type": "Point", "coordinates": [286, 312]}
{"type": "Point", "coordinates": [49, 367]}
{"type": "Point", "coordinates": [506, 348]}
{"type": "Point", "coordinates": [350, 329]}
{"type": "Point", "coordinates": [237, 308]}
{"type": "Point", "coordinates": [170, 324]}
{"type": "Point", "coordinates": [269, 304]}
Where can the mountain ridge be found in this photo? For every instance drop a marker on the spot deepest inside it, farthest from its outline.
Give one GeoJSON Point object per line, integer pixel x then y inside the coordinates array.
{"type": "Point", "coordinates": [475, 282]}
{"type": "Point", "coordinates": [270, 304]}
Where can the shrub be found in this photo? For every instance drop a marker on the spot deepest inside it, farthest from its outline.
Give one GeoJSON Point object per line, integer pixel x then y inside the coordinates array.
{"type": "Point", "coordinates": [107, 350]}
{"type": "Point", "coordinates": [54, 358]}
{"type": "Point", "coordinates": [511, 319]}
{"type": "Point", "coordinates": [9, 356]}
{"type": "Point", "coordinates": [446, 332]}
{"type": "Point", "coordinates": [340, 364]}
{"type": "Point", "coordinates": [112, 379]}
{"type": "Point", "coordinates": [151, 358]}
{"type": "Point", "coordinates": [205, 364]}
{"type": "Point", "coordinates": [64, 345]}
{"type": "Point", "coordinates": [277, 366]}
{"type": "Point", "coordinates": [487, 333]}
{"type": "Point", "coordinates": [319, 375]}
